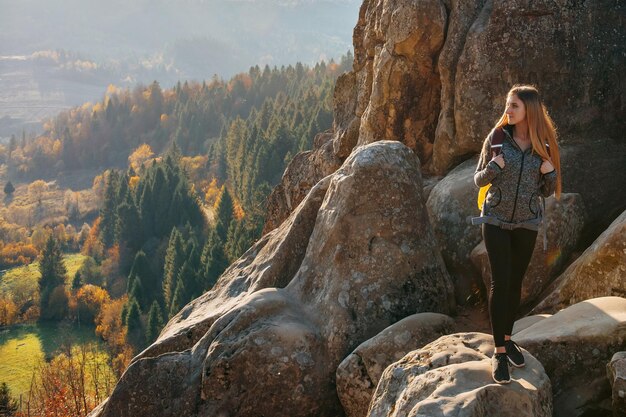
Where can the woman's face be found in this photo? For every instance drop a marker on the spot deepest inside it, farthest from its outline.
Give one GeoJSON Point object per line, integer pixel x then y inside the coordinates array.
{"type": "Point", "coordinates": [515, 109]}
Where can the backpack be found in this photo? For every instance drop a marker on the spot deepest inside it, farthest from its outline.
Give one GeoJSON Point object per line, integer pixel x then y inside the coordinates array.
{"type": "Point", "coordinates": [496, 147]}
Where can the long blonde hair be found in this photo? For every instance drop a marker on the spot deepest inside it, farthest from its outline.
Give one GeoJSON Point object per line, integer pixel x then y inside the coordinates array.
{"type": "Point", "coordinates": [541, 128]}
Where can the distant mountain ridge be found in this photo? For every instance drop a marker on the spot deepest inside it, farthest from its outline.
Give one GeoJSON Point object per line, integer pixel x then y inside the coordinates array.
{"type": "Point", "coordinates": [100, 43]}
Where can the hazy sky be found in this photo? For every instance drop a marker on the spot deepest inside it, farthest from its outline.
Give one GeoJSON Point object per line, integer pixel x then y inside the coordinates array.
{"type": "Point", "coordinates": [280, 30]}
{"type": "Point", "coordinates": [138, 41]}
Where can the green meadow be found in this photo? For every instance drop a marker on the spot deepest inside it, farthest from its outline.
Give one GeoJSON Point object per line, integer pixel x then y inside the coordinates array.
{"type": "Point", "coordinates": [20, 283]}
{"type": "Point", "coordinates": [23, 347]}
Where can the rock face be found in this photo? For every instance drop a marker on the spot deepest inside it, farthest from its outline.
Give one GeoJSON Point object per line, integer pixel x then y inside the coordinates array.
{"type": "Point", "coordinates": [371, 260]}
{"type": "Point", "coordinates": [434, 74]}
{"type": "Point", "coordinates": [305, 170]}
{"type": "Point", "coordinates": [359, 373]}
{"type": "Point", "coordinates": [450, 203]}
{"type": "Point", "coordinates": [574, 346]}
{"type": "Point", "coordinates": [616, 372]}
{"type": "Point", "coordinates": [271, 262]}
{"type": "Point", "coordinates": [513, 42]}
{"type": "Point", "coordinates": [602, 189]}
{"type": "Point", "coordinates": [349, 249]}
{"type": "Point", "coordinates": [372, 253]}
{"type": "Point", "coordinates": [563, 221]}
{"type": "Point", "coordinates": [452, 377]}
{"type": "Point", "coordinates": [395, 59]}
{"type": "Point", "coordinates": [599, 271]}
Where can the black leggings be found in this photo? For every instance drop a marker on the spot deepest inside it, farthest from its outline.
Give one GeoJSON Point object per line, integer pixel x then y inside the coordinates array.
{"type": "Point", "coordinates": [509, 254]}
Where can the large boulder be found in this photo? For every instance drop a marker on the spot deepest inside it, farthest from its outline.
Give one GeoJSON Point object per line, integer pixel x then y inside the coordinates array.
{"type": "Point", "coordinates": [513, 42]}
{"type": "Point", "coordinates": [371, 260]}
{"type": "Point", "coordinates": [563, 223]}
{"type": "Point", "coordinates": [452, 377]}
{"type": "Point", "coordinates": [271, 262]}
{"type": "Point", "coordinates": [574, 346]}
{"type": "Point", "coordinates": [599, 271]}
{"type": "Point", "coordinates": [345, 123]}
{"type": "Point", "coordinates": [450, 148]}
{"type": "Point", "coordinates": [359, 373]}
{"type": "Point", "coordinates": [601, 187]}
{"type": "Point", "coordinates": [616, 372]}
{"type": "Point", "coordinates": [450, 204]}
{"type": "Point", "coordinates": [402, 40]}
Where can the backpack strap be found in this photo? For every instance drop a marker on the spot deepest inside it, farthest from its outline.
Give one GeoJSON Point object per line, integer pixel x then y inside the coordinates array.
{"type": "Point", "coordinates": [496, 140]}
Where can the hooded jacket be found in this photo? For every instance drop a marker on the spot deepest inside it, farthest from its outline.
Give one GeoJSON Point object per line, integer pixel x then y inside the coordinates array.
{"type": "Point", "coordinates": [515, 196]}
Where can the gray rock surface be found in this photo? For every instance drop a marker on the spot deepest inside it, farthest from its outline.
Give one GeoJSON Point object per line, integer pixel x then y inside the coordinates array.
{"type": "Point", "coordinates": [616, 372]}
{"type": "Point", "coordinates": [574, 346]}
{"type": "Point", "coordinates": [450, 204]}
{"type": "Point", "coordinates": [359, 373]}
{"type": "Point", "coordinates": [599, 271]}
{"type": "Point", "coordinates": [452, 377]}
{"type": "Point", "coordinates": [371, 260]}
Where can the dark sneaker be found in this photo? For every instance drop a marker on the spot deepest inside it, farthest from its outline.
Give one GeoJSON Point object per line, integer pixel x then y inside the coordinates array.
{"type": "Point", "coordinates": [500, 368]}
{"type": "Point", "coordinates": [513, 351]}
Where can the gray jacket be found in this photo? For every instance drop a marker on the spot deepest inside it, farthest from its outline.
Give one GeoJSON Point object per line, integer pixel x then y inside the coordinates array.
{"type": "Point", "coordinates": [515, 196]}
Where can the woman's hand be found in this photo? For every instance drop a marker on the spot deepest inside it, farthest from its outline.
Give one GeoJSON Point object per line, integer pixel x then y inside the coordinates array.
{"type": "Point", "coordinates": [499, 160]}
{"type": "Point", "coordinates": [546, 166]}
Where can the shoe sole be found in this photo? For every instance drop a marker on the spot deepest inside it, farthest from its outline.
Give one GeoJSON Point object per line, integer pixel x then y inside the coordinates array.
{"type": "Point", "coordinates": [501, 382]}
{"type": "Point", "coordinates": [516, 365]}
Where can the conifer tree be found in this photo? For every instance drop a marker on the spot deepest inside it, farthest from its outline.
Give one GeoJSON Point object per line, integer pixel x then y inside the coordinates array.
{"type": "Point", "coordinates": [213, 261]}
{"type": "Point", "coordinates": [137, 292]}
{"type": "Point", "coordinates": [52, 270]}
{"type": "Point", "coordinates": [142, 282]}
{"type": "Point", "coordinates": [179, 299]}
{"type": "Point", "coordinates": [128, 229]}
{"type": "Point", "coordinates": [8, 405]}
{"type": "Point", "coordinates": [135, 334]}
{"type": "Point", "coordinates": [155, 322]}
{"type": "Point", "coordinates": [224, 213]}
{"type": "Point", "coordinates": [108, 212]}
{"type": "Point", "coordinates": [77, 282]}
{"type": "Point", "coordinates": [174, 258]}
{"type": "Point", "coordinates": [9, 188]}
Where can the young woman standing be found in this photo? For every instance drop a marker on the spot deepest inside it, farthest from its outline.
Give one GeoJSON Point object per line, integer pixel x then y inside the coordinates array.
{"type": "Point", "coordinates": [522, 166]}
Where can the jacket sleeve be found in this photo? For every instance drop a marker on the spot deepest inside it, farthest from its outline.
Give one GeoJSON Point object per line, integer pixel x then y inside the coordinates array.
{"type": "Point", "coordinates": [486, 170]}
{"type": "Point", "coordinates": [548, 183]}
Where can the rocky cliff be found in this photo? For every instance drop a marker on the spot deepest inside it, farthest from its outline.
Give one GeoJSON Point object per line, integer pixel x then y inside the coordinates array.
{"type": "Point", "coordinates": [369, 228]}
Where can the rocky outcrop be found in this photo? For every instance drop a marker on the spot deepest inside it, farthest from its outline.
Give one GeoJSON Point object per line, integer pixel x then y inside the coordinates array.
{"type": "Point", "coordinates": [271, 262]}
{"type": "Point", "coordinates": [599, 271]}
{"type": "Point", "coordinates": [305, 170]}
{"type": "Point", "coordinates": [452, 377]}
{"type": "Point", "coordinates": [434, 75]}
{"type": "Point", "coordinates": [563, 223]}
{"type": "Point", "coordinates": [513, 42]}
{"type": "Point", "coordinates": [602, 188]}
{"type": "Point", "coordinates": [528, 321]}
{"type": "Point", "coordinates": [450, 204]}
{"type": "Point", "coordinates": [349, 249]}
{"type": "Point", "coordinates": [359, 373]}
{"type": "Point", "coordinates": [574, 346]}
{"type": "Point", "coordinates": [616, 372]}
{"type": "Point", "coordinates": [481, 48]}
{"type": "Point", "coordinates": [371, 260]}
{"type": "Point", "coordinates": [397, 55]}
{"type": "Point", "coordinates": [345, 123]}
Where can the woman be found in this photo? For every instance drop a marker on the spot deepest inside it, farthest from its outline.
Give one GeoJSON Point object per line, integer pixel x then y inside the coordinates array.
{"type": "Point", "coordinates": [523, 169]}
